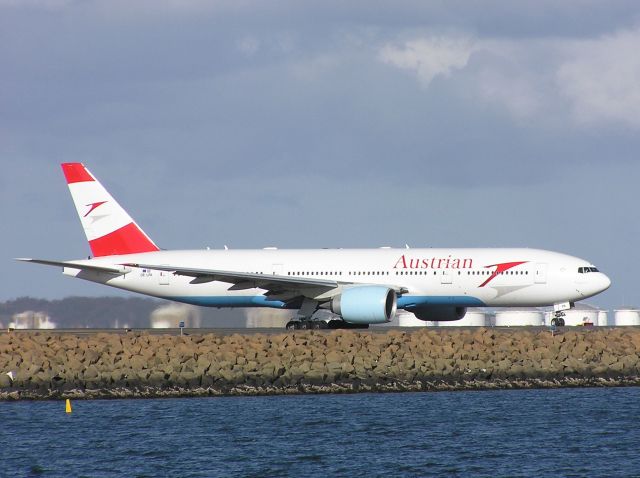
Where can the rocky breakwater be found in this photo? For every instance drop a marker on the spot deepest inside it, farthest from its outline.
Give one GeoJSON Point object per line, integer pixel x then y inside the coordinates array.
{"type": "Point", "coordinates": [54, 365]}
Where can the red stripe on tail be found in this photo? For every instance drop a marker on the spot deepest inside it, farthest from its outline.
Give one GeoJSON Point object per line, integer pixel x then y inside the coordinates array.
{"type": "Point", "coordinates": [76, 173]}
{"type": "Point", "coordinates": [126, 240]}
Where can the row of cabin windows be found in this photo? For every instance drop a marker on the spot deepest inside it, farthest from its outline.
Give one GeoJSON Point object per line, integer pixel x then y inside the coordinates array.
{"type": "Point", "coordinates": [314, 273]}
{"type": "Point", "coordinates": [359, 273]}
{"type": "Point", "coordinates": [382, 273]}
{"type": "Point", "coordinates": [479, 273]}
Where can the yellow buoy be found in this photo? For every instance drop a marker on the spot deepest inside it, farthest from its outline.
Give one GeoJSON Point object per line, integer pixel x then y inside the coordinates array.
{"type": "Point", "coordinates": [68, 406]}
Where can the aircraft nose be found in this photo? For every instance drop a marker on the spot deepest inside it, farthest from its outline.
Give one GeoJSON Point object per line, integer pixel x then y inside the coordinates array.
{"type": "Point", "coordinates": [605, 282]}
{"type": "Point", "coordinates": [596, 283]}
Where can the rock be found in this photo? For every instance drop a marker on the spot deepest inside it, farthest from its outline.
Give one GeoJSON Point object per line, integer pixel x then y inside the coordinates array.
{"type": "Point", "coordinates": [5, 380]}
{"type": "Point", "coordinates": [312, 361]}
{"type": "Point", "coordinates": [616, 367]}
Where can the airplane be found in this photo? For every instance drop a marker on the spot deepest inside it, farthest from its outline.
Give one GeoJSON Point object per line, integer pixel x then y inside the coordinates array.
{"type": "Point", "coordinates": [359, 287]}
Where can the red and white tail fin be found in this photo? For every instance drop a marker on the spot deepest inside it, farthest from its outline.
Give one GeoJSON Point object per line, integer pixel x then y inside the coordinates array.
{"type": "Point", "coordinates": [109, 229]}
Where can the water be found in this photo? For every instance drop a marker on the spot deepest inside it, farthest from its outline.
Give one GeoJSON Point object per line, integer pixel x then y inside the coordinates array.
{"type": "Point", "coordinates": [568, 432]}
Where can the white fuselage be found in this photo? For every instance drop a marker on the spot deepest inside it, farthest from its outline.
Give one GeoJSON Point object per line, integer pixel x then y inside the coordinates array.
{"type": "Point", "coordinates": [459, 277]}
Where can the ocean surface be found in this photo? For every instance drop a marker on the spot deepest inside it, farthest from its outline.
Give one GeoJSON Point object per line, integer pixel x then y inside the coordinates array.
{"type": "Point", "coordinates": [511, 433]}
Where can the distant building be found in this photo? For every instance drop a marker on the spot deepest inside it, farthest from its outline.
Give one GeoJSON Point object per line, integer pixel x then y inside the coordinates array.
{"type": "Point", "coordinates": [169, 316]}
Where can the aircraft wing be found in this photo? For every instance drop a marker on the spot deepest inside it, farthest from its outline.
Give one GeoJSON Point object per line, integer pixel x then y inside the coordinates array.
{"type": "Point", "coordinates": [244, 280]}
{"type": "Point", "coordinates": [248, 280]}
{"type": "Point", "coordinates": [117, 269]}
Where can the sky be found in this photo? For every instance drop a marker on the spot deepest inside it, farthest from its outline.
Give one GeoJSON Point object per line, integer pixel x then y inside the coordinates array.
{"type": "Point", "coordinates": [323, 124]}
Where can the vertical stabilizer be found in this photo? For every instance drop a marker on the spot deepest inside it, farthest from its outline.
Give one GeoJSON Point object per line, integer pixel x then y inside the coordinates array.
{"type": "Point", "coordinates": [108, 227]}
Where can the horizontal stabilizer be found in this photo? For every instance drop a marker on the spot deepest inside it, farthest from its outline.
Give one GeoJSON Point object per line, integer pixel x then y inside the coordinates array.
{"type": "Point", "coordinates": [117, 269]}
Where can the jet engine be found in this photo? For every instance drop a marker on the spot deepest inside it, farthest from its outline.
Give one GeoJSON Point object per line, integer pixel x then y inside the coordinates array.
{"type": "Point", "coordinates": [367, 304]}
{"type": "Point", "coordinates": [439, 313]}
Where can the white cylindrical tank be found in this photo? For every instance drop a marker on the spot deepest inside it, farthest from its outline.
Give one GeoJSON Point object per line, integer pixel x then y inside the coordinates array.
{"type": "Point", "coordinates": [170, 316]}
{"type": "Point", "coordinates": [626, 316]}
{"type": "Point", "coordinates": [603, 318]}
{"type": "Point", "coordinates": [519, 317]}
{"type": "Point", "coordinates": [407, 319]}
{"type": "Point", "coordinates": [269, 318]}
{"type": "Point", "coordinates": [473, 318]}
{"type": "Point", "coordinates": [23, 320]}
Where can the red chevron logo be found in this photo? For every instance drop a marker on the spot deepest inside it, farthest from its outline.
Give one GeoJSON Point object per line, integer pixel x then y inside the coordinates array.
{"type": "Point", "coordinates": [500, 268]}
{"type": "Point", "coordinates": [93, 206]}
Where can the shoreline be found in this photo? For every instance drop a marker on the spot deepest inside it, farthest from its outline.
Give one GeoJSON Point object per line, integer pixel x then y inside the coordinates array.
{"type": "Point", "coordinates": [305, 389]}
{"type": "Point", "coordinates": [51, 366]}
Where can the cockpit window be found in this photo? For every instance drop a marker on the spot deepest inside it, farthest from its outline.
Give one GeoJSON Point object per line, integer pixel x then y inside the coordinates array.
{"type": "Point", "coordinates": [586, 270]}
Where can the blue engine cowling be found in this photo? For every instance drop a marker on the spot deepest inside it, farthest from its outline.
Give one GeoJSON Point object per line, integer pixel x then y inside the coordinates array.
{"type": "Point", "coordinates": [366, 304]}
{"type": "Point", "coordinates": [439, 313]}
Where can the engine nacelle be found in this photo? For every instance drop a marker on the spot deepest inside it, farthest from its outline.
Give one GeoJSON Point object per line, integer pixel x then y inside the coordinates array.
{"type": "Point", "coordinates": [439, 313]}
{"type": "Point", "coordinates": [366, 304]}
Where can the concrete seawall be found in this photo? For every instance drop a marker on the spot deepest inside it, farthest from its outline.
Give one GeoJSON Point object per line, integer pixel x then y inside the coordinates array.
{"type": "Point", "coordinates": [51, 365]}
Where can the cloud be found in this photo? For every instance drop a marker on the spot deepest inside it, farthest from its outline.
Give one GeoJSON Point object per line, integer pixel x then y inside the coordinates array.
{"type": "Point", "coordinates": [514, 92]}
{"type": "Point", "coordinates": [411, 122]}
{"type": "Point", "coordinates": [601, 79]}
{"type": "Point", "coordinates": [249, 45]}
{"type": "Point", "coordinates": [429, 57]}
{"type": "Point", "coordinates": [494, 72]}
{"type": "Point", "coordinates": [174, 5]}
{"type": "Point", "coordinates": [36, 4]}
{"type": "Point", "coordinates": [587, 82]}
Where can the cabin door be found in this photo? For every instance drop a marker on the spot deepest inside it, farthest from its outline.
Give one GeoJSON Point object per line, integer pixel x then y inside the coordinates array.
{"type": "Point", "coordinates": [541, 273]}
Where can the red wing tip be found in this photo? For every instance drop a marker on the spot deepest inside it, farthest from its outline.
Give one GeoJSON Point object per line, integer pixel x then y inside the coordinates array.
{"type": "Point", "coordinates": [76, 173]}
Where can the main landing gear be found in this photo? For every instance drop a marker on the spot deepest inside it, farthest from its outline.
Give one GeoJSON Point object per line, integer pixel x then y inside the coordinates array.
{"type": "Point", "coordinates": [558, 319]}
{"type": "Point", "coordinates": [306, 324]}
{"type": "Point", "coordinates": [308, 320]}
{"type": "Point", "coordinates": [316, 324]}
